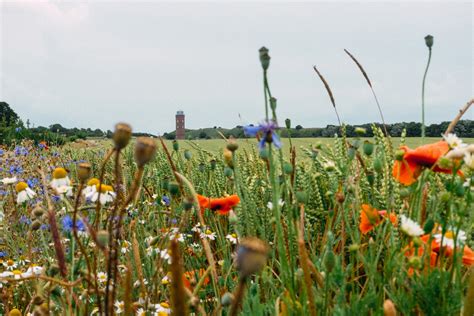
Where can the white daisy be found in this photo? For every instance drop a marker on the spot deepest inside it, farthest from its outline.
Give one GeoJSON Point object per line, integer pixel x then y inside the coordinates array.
{"type": "Point", "coordinates": [102, 277]}
{"type": "Point", "coordinates": [166, 280]}
{"type": "Point", "coordinates": [232, 238]}
{"type": "Point", "coordinates": [64, 190]}
{"type": "Point", "coordinates": [119, 307]}
{"type": "Point", "coordinates": [7, 181]}
{"type": "Point", "coordinates": [196, 228]}
{"type": "Point", "coordinates": [91, 187]}
{"type": "Point", "coordinates": [165, 255]}
{"type": "Point", "coordinates": [60, 178]}
{"type": "Point", "coordinates": [10, 265]}
{"type": "Point", "coordinates": [410, 227]}
{"type": "Point", "coordinates": [208, 234]}
{"type": "Point", "coordinates": [24, 193]}
{"type": "Point", "coordinates": [452, 140]}
{"type": "Point", "coordinates": [469, 160]}
{"type": "Point", "coordinates": [125, 247]}
{"type": "Point", "coordinates": [162, 309]}
{"type": "Point", "coordinates": [450, 238]}
{"type": "Point", "coordinates": [107, 194]}
{"type": "Point", "coordinates": [280, 203]}
{"type": "Point", "coordinates": [141, 312]}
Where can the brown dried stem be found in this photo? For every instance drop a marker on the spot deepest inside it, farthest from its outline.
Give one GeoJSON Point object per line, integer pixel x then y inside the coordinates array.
{"type": "Point", "coordinates": [458, 116]}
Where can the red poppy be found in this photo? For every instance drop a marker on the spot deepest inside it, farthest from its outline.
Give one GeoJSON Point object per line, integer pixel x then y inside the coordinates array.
{"type": "Point", "coordinates": [221, 205]}
{"type": "Point", "coordinates": [414, 160]}
{"type": "Point", "coordinates": [371, 217]}
{"type": "Point", "coordinates": [191, 278]}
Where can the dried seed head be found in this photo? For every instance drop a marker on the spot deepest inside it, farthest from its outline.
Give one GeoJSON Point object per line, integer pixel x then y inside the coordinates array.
{"type": "Point", "coordinates": [84, 171]}
{"type": "Point", "coordinates": [264, 58]}
{"type": "Point", "coordinates": [251, 256]}
{"type": "Point", "coordinates": [288, 123]}
{"type": "Point", "coordinates": [232, 144]}
{"type": "Point", "coordinates": [38, 211]}
{"type": "Point", "coordinates": [122, 135]}
{"type": "Point", "coordinates": [37, 300]}
{"type": "Point", "coordinates": [145, 149]}
{"type": "Point", "coordinates": [227, 299]}
{"type": "Point", "coordinates": [389, 308]}
{"type": "Point", "coordinates": [35, 225]}
{"type": "Point", "coordinates": [429, 41]}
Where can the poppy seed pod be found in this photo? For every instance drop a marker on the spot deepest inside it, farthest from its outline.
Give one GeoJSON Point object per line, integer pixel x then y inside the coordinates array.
{"type": "Point", "coordinates": [145, 149]}
{"type": "Point", "coordinates": [329, 261]}
{"type": "Point", "coordinates": [288, 123]}
{"type": "Point", "coordinates": [84, 171]}
{"type": "Point", "coordinates": [368, 148]}
{"type": "Point", "coordinates": [251, 256]}
{"type": "Point", "coordinates": [232, 144]}
{"type": "Point", "coordinates": [429, 41]}
{"type": "Point", "coordinates": [35, 225]}
{"type": "Point", "coordinates": [175, 145]}
{"type": "Point", "coordinates": [188, 154]}
{"type": "Point", "coordinates": [38, 211]}
{"type": "Point", "coordinates": [273, 103]}
{"type": "Point", "coordinates": [122, 135]}
{"type": "Point", "coordinates": [264, 58]}
{"type": "Point", "coordinates": [227, 299]}
{"type": "Point", "coordinates": [173, 187]}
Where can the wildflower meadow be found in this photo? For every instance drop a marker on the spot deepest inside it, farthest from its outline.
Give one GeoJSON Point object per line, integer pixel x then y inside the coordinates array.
{"type": "Point", "coordinates": [141, 226]}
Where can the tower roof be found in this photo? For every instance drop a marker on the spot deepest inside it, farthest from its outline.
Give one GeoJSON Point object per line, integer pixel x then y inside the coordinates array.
{"type": "Point", "coordinates": [180, 112]}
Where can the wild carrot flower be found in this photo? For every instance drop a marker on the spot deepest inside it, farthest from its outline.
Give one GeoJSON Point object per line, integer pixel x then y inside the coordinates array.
{"type": "Point", "coordinates": [266, 131]}
{"type": "Point", "coordinates": [222, 205]}
{"type": "Point", "coordinates": [60, 178]}
{"type": "Point", "coordinates": [407, 170]}
{"type": "Point", "coordinates": [410, 227]}
{"type": "Point", "coordinates": [371, 217]}
{"type": "Point", "coordinates": [24, 193]}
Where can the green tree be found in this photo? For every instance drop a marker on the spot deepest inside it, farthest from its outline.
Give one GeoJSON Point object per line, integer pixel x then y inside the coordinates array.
{"type": "Point", "coordinates": [7, 114]}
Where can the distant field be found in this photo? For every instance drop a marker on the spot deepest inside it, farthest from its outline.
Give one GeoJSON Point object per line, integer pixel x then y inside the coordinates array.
{"type": "Point", "coordinates": [215, 145]}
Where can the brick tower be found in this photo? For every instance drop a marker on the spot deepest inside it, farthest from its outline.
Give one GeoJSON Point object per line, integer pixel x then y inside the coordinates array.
{"type": "Point", "coordinates": [180, 125]}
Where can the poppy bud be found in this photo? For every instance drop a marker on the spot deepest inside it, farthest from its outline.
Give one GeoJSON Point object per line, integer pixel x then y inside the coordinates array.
{"type": "Point", "coordinates": [251, 256]}
{"type": "Point", "coordinates": [188, 154]}
{"type": "Point", "coordinates": [354, 247]}
{"type": "Point", "coordinates": [122, 135]}
{"type": "Point", "coordinates": [264, 57]}
{"type": "Point", "coordinates": [173, 187]}
{"type": "Point", "coordinates": [404, 193]}
{"type": "Point", "coordinates": [360, 131]}
{"type": "Point", "coordinates": [228, 172]}
{"type": "Point", "coordinates": [417, 242]}
{"type": "Point", "coordinates": [175, 145]}
{"type": "Point", "coordinates": [429, 225]}
{"type": "Point", "coordinates": [415, 262]}
{"type": "Point", "coordinates": [329, 261]}
{"type": "Point", "coordinates": [273, 103]}
{"type": "Point", "coordinates": [378, 166]}
{"type": "Point", "coordinates": [445, 197]}
{"type": "Point", "coordinates": [445, 163]}
{"type": "Point", "coordinates": [368, 148]}
{"type": "Point", "coordinates": [227, 299]}
{"type": "Point", "coordinates": [84, 171]}
{"type": "Point", "coordinates": [429, 41]}
{"type": "Point", "coordinates": [145, 149]}
{"type": "Point", "coordinates": [340, 197]}
{"type": "Point", "coordinates": [103, 238]}
{"type": "Point", "coordinates": [228, 158]}
{"type": "Point", "coordinates": [370, 178]}
{"type": "Point", "coordinates": [232, 144]}
{"type": "Point", "coordinates": [288, 168]}
{"type": "Point", "coordinates": [399, 154]}
{"type": "Point", "coordinates": [263, 153]}
{"type": "Point", "coordinates": [288, 123]}
{"type": "Point", "coordinates": [188, 204]}
{"type": "Point", "coordinates": [389, 308]}
{"type": "Point", "coordinates": [301, 197]}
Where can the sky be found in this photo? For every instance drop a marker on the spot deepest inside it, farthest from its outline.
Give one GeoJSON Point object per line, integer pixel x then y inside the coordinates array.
{"type": "Point", "coordinates": [95, 63]}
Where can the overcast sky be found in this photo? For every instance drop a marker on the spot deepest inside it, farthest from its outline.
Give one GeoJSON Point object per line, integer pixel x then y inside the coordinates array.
{"type": "Point", "coordinates": [92, 64]}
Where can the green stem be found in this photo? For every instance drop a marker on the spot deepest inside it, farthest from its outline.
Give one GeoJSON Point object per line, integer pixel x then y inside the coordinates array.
{"type": "Point", "coordinates": [423, 98]}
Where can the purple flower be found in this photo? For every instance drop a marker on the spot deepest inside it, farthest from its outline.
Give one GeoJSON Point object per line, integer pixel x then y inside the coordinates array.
{"type": "Point", "coordinates": [165, 200]}
{"type": "Point", "coordinates": [68, 224]}
{"type": "Point", "coordinates": [267, 130]}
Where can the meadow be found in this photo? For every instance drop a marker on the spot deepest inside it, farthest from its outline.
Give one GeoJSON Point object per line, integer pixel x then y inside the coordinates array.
{"type": "Point", "coordinates": [261, 226]}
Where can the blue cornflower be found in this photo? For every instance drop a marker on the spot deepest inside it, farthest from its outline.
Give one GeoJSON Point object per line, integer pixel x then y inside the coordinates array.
{"type": "Point", "coordinates": [3, 254]}
{"type": "Point", "coordinates": [24, 220]}
{"type": "Point", "coordinates": [67, 224]}
{"type": "Point", "coordinates": [165, 200]}
{"type": "Point", "coordinates": [267, 130]}
{"type": "Point", "coordinates": [16, 169]}
{"type": "Point", "coordinates": [2, 152]}
{"type": "Point", "coordinates": [18, 129]}
{"type": "Point", "coordinates": [56, 198]}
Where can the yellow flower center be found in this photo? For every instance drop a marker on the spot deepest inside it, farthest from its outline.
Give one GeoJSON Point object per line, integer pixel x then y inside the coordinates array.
{"type": "Point", "coordinates": [449, 234]}
{"type": "Point", "coordinates": [165, 305]}
{"type": "Point", "coordinates": [104, 188]}
{"type": "Point", "coordinates": [93, 181]}
{"type": "Point", "coordinates": [59, 173]}
{"type": "Point", "coordinates": [20, 186]}
{"type": "Point", "coordinates": [234, 235]}
{"type": "Point", "coordinates": [10, 262]}
{"type": "Point", "coordinates": [16, 272]}
{"type": "Point", "coordinates": [208, 232]}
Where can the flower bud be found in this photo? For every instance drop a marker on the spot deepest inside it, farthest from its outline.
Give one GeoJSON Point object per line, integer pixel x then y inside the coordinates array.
{"type": "Point", "coordinates": [103, 238]}
{"type": "Point", "coordinates": [360, 131]}
{"type": "Point", "coordinates": [354, 247]}
{"type": "Point", "coordinates": [273, 103]}
{"type": "Point", "coordinates": [173, 187]}
{"type": "Point", "coordinates": [288, 168]}
{"type": "Point", "coordinates": [122, 135]}
{"type": "Point", "coordinates": [378, 166]}
{"type": "Point", "coordinates": [389, 308]}
{"type": "Point", "coordinates": [329, 261]}
{"type": "Point", "coordinates": [188, 154]}
{"type": "Point", "coordinates": [251, 256]}
{"type": "Point", "coordinates": [264, 58]}
{"type": "Point", "coordinates": [445, 163]}
{"type": "Point", "coordinates": [84, 171]}
{"type": "Point", "coordinates": [415, 262]}
{"type": "Point", "coordinates": [370, 177]}
{"type": "Point", "coordinates": [14, 312]}
{"type": "Point", "coordinates": [417, 242]}
{"type": "Point", "coordinates": [228, 172]}
{"type": "Point", "coordinates": [227, 299]}
{"type": "Point", "coordinates": [429, 41]}
{"type": "Point", "coordinates": [232, 144]}
{"type": "Point", "coordinates": [175, 145]}
{"type": "Point", "coordinates": [228, 158]}
{"type": "Point", "coordinates": [399, 154]}
{"type": "Point", "coordinates": [429, 225]}
{"type": "Point", "coordinates": [288, 123]}
{"type": "Point", "coordinates": [368, 148]}
{"type": "Point", "coordinates": [145, 149]}
{"type": "Point", "coordinates": [301, 197]}
{"type": "Point", "coordinates": [263, 153]}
